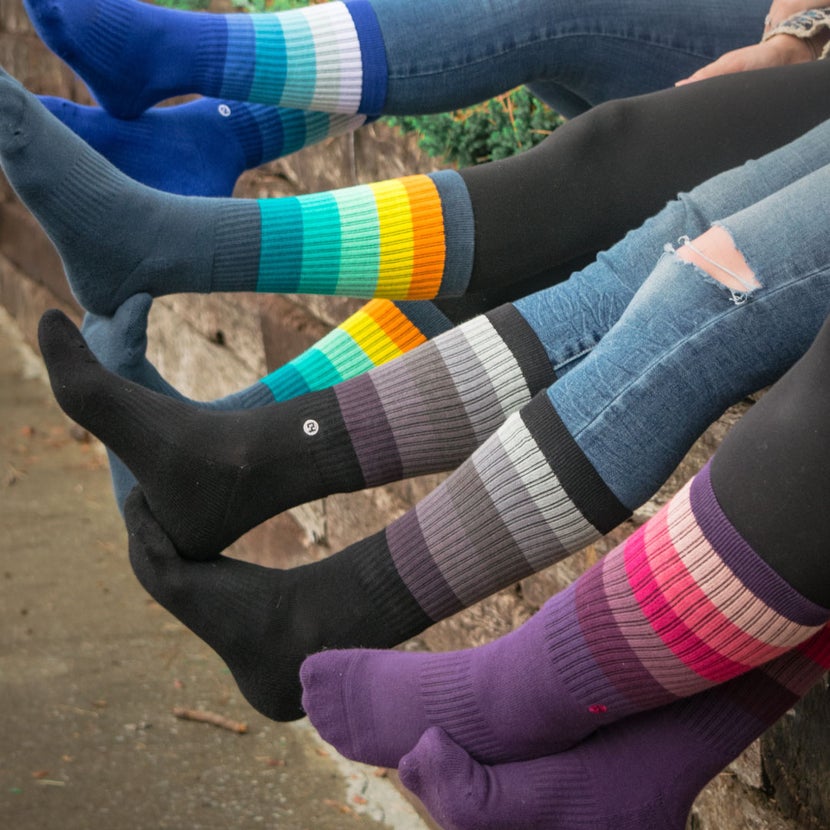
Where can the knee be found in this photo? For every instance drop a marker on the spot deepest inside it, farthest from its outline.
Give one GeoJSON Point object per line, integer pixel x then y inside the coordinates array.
{"type": "Point", "coordinates": [715, 253]}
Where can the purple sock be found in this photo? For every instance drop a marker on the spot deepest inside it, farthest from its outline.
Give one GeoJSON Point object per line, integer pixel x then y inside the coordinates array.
{"type": "Point", "coordinates": [642, 772]}
{"type": "Point", "coordinates": [682, 605]}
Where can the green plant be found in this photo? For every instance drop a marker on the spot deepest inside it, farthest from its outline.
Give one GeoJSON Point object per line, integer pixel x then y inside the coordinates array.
{"type": "Point", "coordinates": [269, 5]}
{"type": "Point", "coordinates": [184, 5]}
{"type": "Point", "coordinates": [495, 129]}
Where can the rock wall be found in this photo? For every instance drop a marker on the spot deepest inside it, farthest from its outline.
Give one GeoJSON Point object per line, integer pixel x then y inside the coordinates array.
{"type": "Point", "coordinates": [211, 345]}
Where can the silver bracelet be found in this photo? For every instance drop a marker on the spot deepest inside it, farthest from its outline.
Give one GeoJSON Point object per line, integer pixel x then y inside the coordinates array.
{"type": "Point", "coordinates": [805, 26]}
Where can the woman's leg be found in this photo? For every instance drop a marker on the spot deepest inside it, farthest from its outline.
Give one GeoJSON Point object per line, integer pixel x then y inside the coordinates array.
{"type": "Point", "coordinates": [413, 238]}
{"type": "Point", "coordinates": [644, 771]}
{"type": "Point", "coordinates": [389, 56]}
{"type": "Point", "coordinates": [377, 333]}
{"type": "Point", "coordinates": [685, 603]}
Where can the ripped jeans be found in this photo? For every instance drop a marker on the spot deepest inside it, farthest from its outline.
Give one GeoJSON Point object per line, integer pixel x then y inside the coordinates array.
{"type": "Point", "coordinates": [647, 356]}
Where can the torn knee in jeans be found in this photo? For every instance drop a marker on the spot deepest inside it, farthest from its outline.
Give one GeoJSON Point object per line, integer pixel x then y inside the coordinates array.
{"type": "Point", "coordinates": [714, 252]}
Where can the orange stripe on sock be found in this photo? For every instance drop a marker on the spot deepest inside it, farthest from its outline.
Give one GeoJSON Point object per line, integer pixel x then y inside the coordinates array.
{"type": "Point", "coordinates": [429, 247]}
{"type": "Point", "coordinates": [395, 324]}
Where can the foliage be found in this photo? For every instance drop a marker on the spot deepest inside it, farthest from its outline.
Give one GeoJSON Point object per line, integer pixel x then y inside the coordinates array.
{"type": "Point", "coordinates": [270, 5]}
{"type": "Point", "coordinates": [184, 5]}
{"type": "Point", "coordinates": [496, 129]}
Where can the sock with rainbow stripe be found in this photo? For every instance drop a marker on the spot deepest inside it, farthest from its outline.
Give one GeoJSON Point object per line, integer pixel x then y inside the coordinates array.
{"type": "Point", "coordinates": [377, 333]}
{"type": "Point", "coordinates": [328, 57]}
{"type": "Point", "coordinates": [645, 771]}
{"type": "Point", "coordinates": [424, 412]}
{"type": "Point", "coordinates": [202, 147]}
{"type": "Point", "coordinates": [405, 239]}
{"type": "Point", "coordinates": [687, 602]}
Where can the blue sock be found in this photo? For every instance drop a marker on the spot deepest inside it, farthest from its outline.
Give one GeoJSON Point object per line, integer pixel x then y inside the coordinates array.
{"type": "Point", "coordinates": [328, 57]}
{"type": "Point", "coordinates": [199, 148]}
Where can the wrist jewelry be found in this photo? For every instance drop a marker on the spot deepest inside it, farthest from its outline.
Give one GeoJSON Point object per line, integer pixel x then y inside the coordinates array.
{"type": "Point", "coordinates": [805, 26]}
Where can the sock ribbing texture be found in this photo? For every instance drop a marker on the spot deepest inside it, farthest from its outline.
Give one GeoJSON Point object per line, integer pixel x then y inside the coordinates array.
{"type": "Point", "coordinates": [404, 239]}
{"type": "Point", "coordinates": [132, 55]}
{"type": "Point", "coordinates": [375, 334]}
{"type": "Point", "coordinates": [199, 148]}
{"type": "Point", "coordinates": [642, 772]}
{"type": "Point", "coordinates": [682, 605]}
{"type": "Point", "coordinates": [251, 465]}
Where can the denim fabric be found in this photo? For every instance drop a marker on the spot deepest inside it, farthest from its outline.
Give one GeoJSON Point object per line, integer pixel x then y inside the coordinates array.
{"type": "Point", "coordinates": [443, 54]}
{"type": "Point", "coordinates": [649, 356]}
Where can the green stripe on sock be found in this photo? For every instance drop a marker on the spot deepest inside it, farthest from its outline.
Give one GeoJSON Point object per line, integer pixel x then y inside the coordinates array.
{"type": "Point", "coordinates": [362, 244]}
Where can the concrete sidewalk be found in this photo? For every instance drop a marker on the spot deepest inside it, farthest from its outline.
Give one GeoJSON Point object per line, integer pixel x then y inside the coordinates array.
{"type": "Point", "coordinates": [91, 669]}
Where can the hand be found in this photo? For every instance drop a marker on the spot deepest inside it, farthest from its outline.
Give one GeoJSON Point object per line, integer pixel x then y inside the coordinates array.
{"type": "Point", "coordinates": [777, 51]}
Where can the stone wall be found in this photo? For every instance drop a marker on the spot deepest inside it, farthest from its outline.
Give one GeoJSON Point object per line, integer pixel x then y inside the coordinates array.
{"type": "Point", "coordinates": [211, 345]}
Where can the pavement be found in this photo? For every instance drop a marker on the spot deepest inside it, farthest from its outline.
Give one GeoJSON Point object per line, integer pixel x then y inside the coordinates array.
{"type": "Point", "coordinates": [91, 668]}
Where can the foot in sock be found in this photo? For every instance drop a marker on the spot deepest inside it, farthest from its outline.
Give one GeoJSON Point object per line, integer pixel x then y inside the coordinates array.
{"type": "Point", "coordinates": [262, 621]}
{"type": "Point", "coordinates": [410, 238]}
{"type": "Point", "coordinates": [642, 772]}
{"type": "Point", "coordinates": [200, 480]}
{"type": "Point", "coordinates": [377, 333]}
{"type": "Point", "coordinates": [199, 148]}
{"type": "Point", "coordinates": [133, 55]}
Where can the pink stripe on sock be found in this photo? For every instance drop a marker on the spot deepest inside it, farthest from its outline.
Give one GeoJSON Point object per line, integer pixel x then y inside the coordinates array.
{"type": "Point", "coordinates": [660, 603]}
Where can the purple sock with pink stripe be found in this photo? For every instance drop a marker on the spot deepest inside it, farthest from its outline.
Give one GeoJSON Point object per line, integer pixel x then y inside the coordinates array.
{"type": "Point", "coordinates": [682, 605]}
{"type": "Point", "coordinates": [644, 771]}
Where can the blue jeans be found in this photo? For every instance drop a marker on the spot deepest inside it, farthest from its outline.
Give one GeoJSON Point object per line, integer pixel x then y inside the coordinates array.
{"type": "Point", "coordinates": [648, 356]}
{"type": "Point", "coordinates": [574, 54]}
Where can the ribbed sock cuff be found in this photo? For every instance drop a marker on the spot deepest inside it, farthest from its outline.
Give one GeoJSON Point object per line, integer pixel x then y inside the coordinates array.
{"type": "Point", "coordinates": [373, 53]}
{"type": "Point", "coordinates": [580, 480]}
{"type": "Point", "coordinates": [459, 232]}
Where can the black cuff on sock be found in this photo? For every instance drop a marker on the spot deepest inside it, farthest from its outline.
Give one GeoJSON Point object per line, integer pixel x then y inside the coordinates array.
{"type": "Point", "coordinates": [576, 474]}
{"type": "Point", "coordinates": [525, 346]}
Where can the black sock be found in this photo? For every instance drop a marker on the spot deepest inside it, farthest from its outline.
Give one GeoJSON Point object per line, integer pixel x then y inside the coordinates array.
{"type": "Point", "coordinates": [208, 475]}
{"type": "Point", "coordinates": [264, 622]}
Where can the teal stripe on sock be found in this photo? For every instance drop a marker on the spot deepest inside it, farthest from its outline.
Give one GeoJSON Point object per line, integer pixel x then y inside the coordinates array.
{"type": "Point", "coordinates": [321, 244]}
{"type": "Point", "coordinates": [317, 126]}
{"type": "Point", "coordinates": [347, 357]}
{"type": "Point", "coordinates": [270, 59]}
{"type": "Point", "coordinates": [281, 245]}
{"type": "Point", "coordinates": [285, 383]}
{"type": "Point", "coordinates": [317, 370]}
{"type": "Point", "coordinates": [301, 66]}
{"type": "Point", "coordinates": [361, 244]}
{"type": "Point", "coordinates": [293, 130]}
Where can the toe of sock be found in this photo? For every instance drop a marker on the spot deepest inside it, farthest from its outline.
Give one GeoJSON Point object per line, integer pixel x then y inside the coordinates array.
{"type": "Point", "coordinates": [443, 776]}
{"type": "Point", "coordinates": [323, 676]}
{"type": "Point", "coordinates": [13, 103]}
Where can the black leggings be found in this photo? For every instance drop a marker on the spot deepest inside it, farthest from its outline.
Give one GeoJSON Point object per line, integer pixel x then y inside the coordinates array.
{"type": "Point", "coordinates": [547, 212]}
